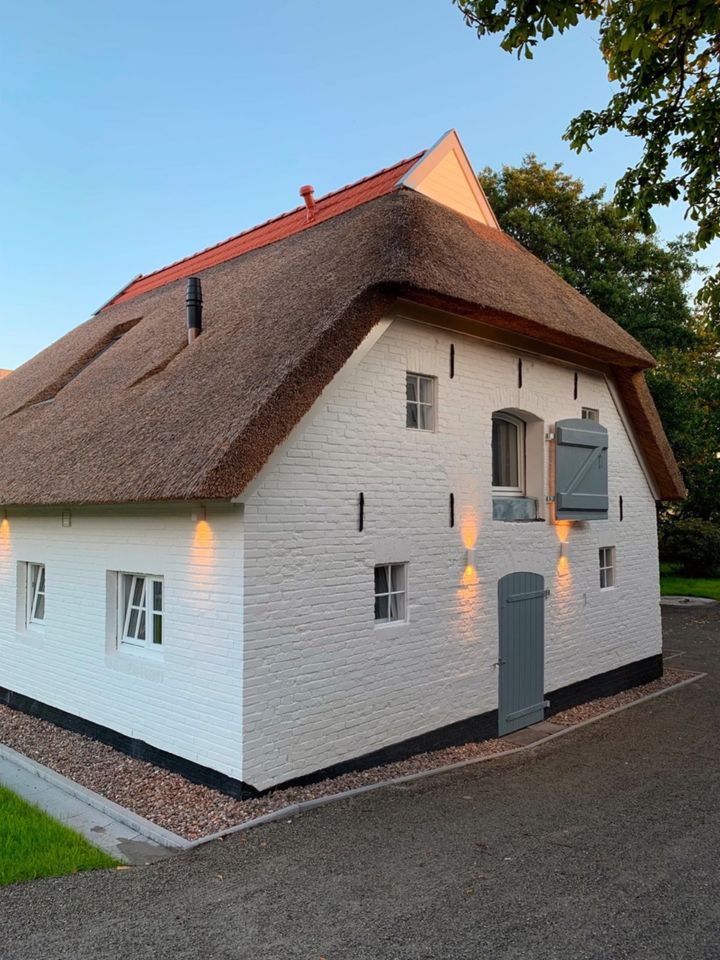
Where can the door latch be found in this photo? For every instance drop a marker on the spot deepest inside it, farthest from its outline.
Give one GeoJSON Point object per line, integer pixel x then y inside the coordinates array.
{"type": "Point", "coordinates": [499, 664]}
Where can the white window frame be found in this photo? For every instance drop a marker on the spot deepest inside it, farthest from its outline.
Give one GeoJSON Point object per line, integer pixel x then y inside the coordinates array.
{"type": "Point", "coordinates": [126, 638]}
{"type": "Point", "coordinates": [431, 404]}
{"type": "Point", "coordinates": [34, 593]}
{"type": "Point", "coordinates": [402, 593]}
{"type": "Point", "coordinates": [608, 570]}
{"type": "Point", "coordinates": [590, 413]}
{"type": "Point", "coordinates": [518, 491]}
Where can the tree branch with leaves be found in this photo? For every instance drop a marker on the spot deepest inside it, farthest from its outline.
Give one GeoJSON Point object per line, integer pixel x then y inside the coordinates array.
{"type": "Point", "coordinates": [664, 57]}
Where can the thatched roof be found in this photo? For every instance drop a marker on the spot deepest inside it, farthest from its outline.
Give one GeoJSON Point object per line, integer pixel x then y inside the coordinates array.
{"type": "Point", "coordinates": [153, 419]}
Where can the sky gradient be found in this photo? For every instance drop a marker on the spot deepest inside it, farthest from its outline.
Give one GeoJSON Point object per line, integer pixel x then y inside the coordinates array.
{"type": "Point", "coordinates": [135, 134]}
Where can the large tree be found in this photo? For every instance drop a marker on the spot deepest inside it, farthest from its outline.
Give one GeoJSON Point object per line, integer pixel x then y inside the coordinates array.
{"type": "Point", "coordinates": [663, 57]}
{"type": "Point", "coordinates": [642, 284]}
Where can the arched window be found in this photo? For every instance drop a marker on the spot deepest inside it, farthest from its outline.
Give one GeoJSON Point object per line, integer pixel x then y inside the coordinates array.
{"type": "Point", "coordinates": [508, 455]}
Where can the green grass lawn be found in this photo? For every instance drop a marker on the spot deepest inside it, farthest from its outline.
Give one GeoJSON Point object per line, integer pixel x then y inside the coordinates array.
{"type": "Point", "coordinates": [33, 845]}
{"type": "Point", "coordinates": [672, 583]}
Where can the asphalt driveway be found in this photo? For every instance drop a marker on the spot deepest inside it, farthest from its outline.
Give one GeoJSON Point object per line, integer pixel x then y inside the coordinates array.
{"type": "Point", "coordinates": [603, 844]}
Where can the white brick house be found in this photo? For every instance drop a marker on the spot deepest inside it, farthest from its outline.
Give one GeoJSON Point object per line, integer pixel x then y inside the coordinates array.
{"type": "Point", "coordinates": [299, 559]}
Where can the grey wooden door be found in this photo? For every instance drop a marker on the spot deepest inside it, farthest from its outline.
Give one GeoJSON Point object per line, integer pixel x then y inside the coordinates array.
{"type": "Point", "coordinates": [521, 612]}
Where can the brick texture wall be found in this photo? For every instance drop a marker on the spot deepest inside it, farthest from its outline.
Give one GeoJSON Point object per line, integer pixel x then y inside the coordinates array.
{"type": "Point", "coordinates": [186, 701]}
{"type": "Point", "coordinates": [322, 682]}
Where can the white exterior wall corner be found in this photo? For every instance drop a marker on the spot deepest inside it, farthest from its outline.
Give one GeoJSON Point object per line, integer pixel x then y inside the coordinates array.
{"type": "Point", "coordinates": [322, 683]}
{"type": "Point", "coordinates": [188, 700]}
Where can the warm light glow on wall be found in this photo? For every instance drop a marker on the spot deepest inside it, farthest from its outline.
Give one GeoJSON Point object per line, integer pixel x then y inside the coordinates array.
{"type": "Point", "coordinates": [4, 531]}
{"type": "Point", "coordinates": [202, 567]}
{"type": "Point", "coordinates": [469, 529]}
{"type": "Point", "coordinates": [203, 540]}
{"type": "Point", "coordinates": [562, 529]}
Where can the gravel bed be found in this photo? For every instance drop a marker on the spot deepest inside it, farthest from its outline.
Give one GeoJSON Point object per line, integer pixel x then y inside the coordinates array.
{"type": "Point", "coordinates": [194, 811]}
{"type": "Point", "coordinates": [168, 799]}
{"type": "Point", "coordinates": [585, 711]}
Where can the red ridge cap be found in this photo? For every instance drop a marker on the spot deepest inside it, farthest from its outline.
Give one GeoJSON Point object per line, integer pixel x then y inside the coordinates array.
{"type": "Point", "coordinates": [278, 228]}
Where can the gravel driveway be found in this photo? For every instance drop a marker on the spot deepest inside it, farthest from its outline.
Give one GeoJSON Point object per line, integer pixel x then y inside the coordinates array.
{"type": "Point", "coordinates": [604, 844]}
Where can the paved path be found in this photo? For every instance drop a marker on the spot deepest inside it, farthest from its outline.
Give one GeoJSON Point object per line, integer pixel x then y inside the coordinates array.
{"type": "Point", "coordinates": [603, 844]}
{"type": "Point", "coordinates": [101, 829]}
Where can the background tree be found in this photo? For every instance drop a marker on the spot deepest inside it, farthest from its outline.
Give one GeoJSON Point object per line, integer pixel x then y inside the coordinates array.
{"type": "Point", "coordinates": [642, 284]}
{"type": "Point", "coordinates": [664, 57]}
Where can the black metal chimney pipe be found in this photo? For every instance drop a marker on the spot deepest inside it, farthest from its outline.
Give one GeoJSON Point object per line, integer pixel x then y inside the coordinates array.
{"type": "Point", "coordinates": [193, 301]}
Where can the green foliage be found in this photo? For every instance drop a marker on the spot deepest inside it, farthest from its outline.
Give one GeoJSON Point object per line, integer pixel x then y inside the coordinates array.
{"type": "Point", "coordinates": [676, 586]}
{"type": "Point", "coordinates": [664, 58]}
{"type": "Point", "coordinates": [32, 845]}
{"type": "Point", "coordinates": [686, 389]}
{"type": "Point", "coordinates": [692, 543]}
{"type": "Point", "coordinates": [602, 251]}
{"type": "Point", "coordinates": [599, 249]}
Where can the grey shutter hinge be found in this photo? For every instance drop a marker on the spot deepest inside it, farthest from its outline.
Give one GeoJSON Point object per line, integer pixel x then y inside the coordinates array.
{"type": "Point", "coordinates": [550, 436]}
{"type": "Point", "coordinates": [546, 594]}
{"type": "Point", "coordinates": [550, 498]}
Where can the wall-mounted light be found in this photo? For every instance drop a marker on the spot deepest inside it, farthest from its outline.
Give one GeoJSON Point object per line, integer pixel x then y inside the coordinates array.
{"type": "Point", "coordinates": [563, 566]}
{"type": "Point", "coordinates": [470, 557]}
{"type": "Point", "coordinates": [66, 518]}
{"type": "Point", "coordinates": [199, 513]}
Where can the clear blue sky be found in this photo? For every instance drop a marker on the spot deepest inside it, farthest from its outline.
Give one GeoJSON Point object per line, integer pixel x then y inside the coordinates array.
{"type": "Point", "coordinates": [136, 133]}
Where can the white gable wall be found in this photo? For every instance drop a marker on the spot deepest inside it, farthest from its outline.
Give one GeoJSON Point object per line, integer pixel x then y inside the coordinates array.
{"type": "Point", "coordinates": [322, 682]}
{"type": "Point", "coordinates": [187, 701]}
{"type": "Point", "coordinates": [447, 184]}
{"type": "Point", "coordinates": [445, 174]}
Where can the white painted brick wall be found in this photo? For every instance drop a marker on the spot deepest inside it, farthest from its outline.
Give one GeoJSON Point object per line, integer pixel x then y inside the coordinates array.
{"type": "Point", "coordinates": [188, 700]}
{"type": "Point", "coordinates": [322, 683]}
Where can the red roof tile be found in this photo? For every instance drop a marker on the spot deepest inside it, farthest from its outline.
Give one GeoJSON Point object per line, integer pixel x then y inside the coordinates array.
{"type": "Point", "coordinates": [332, 204]}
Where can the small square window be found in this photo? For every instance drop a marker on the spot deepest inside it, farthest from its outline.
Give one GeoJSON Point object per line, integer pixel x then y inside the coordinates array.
{"type": "Point", "coordinates": [589, 413]}
{"type": "Point", "coordinates": [390, 592]}
{"type": "Point", "coordinates": [35, 595]}
{"type": "Point", "coordinates": [607, 567]}
{"type": "Point", "coordinates": [420, 405]}
{"type": "Point", "coordinates": [140, 611]}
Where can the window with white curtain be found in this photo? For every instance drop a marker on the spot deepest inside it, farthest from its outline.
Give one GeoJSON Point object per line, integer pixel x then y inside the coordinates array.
{"type": "Point", "coordinates": [607, 567]}
{"type": "Point", "coordinates": [140, 610]}
{"type": "Point", "coordinates": [35, 595]}
{"type": "Point", "coordinates": [420, 402]}
{"type": "Point", "coordinates": [508, 455]}
{"type": "Point", "coordinates": [390, 592]}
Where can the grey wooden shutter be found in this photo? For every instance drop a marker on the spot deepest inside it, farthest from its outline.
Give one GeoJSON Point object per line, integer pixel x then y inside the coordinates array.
{"type": "Point", "coordinates": [581, 470]}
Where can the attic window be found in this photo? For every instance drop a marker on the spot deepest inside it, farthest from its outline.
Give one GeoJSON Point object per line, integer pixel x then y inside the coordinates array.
{"type": "Point", "coordinates": [420, 402]}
